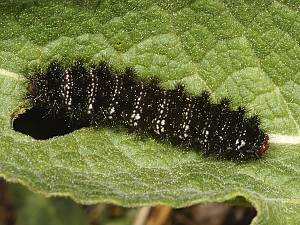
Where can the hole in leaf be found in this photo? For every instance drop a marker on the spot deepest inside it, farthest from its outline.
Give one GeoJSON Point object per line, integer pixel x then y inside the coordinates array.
{"type": "Point", "coordinates": [35, 123]}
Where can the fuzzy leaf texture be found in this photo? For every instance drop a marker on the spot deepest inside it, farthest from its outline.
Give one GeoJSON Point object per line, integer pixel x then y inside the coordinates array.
{"type": "Point", "coordinates": [246, 50]}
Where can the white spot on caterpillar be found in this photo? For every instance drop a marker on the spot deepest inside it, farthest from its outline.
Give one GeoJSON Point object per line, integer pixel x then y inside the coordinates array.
{"type": "Point", "coordinates": [138, 109]}
{"type": "Point", "coordinates": [112, 110]}
{"type": "Point", "coordinates": [240, 143]}
{"type": "Point", "coordinates": [243, 143]}
{"type": "Point", "coordinates": [187, 127]}
{"type": "Point", "coordinates": [133, 114]}
{"type": "Point", "coordinates": [162, 113]}
{"type": "Point", "coordinates": [137, 116]}
{"type": "Point", "coordinates": [91, 91]}
{"type": "Point", "coordinates": [66, 89]}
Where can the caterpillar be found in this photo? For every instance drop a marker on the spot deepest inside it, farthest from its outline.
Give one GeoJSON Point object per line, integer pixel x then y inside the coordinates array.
{"type": "Point", "coordinates": [99, 95]}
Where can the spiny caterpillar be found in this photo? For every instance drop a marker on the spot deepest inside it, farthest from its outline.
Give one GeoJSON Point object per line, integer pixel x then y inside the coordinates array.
{"type": "Point", "coordinates": [101, 96]}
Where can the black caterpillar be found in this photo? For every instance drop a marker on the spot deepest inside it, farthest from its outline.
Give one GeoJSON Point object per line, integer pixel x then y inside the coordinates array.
{"type": "Point", "coordinates": [99, 95]}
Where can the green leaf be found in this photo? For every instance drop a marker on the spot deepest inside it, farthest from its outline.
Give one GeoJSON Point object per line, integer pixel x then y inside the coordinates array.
{"type": "Point", "coordinates": [249, 51]}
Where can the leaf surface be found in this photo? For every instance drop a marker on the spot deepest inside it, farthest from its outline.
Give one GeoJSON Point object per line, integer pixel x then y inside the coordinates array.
{"type": "Point", "coordinates": [247, 51]}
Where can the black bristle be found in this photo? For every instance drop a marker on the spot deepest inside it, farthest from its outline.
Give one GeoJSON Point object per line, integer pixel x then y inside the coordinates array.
{"type": "Point", "coordinates": [254, 121]}
{"type": "Point", "coordinates": [225, 102]}
{"type": "Point", "coordinates": [99, 95]}
{"type": "Point", "coordinates": [241, 111]}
